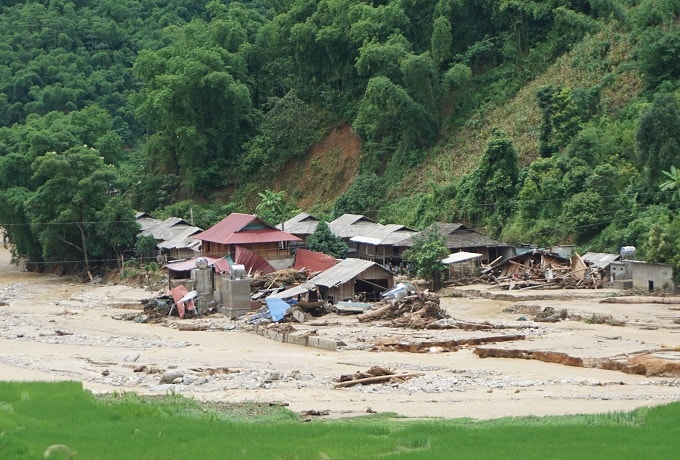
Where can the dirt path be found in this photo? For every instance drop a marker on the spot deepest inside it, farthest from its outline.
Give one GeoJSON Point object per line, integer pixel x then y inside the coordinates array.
{"type": "Point", "coordinates": [55, 329]}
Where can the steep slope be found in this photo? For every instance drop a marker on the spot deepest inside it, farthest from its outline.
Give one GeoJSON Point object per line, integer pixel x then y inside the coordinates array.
{"type": "Point", "coordinates": [602, 59]}
{"type": "Point", "coordinates": [326, 173]}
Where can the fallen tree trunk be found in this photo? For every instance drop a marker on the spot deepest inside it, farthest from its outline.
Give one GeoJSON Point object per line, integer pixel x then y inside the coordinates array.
{"type": "Point", "coordinates": [641, 299]}
{"type": "Point", "coordinates": [374, 314]}
{"type": "Point", "coordinates": [378, 379]}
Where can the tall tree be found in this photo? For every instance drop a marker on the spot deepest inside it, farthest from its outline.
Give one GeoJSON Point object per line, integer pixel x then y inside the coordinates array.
{"type": "Point", "coordinates": [197, 103]}
{"type": "Point", "coordinates": [72, 213]}
{"type": "Point", "coordinates": [658, 138]}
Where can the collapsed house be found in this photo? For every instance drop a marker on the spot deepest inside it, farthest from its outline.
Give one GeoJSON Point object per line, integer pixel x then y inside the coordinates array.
{"type": "Point", "coordinates": [540, 268]}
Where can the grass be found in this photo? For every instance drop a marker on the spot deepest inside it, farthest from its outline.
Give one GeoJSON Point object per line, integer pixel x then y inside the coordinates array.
{"type": "Point", "coordinates": [35, 415]}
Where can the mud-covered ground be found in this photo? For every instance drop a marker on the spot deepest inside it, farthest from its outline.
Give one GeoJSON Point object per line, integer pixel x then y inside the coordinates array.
{"type": "Point", "coordinates": [599, 357]}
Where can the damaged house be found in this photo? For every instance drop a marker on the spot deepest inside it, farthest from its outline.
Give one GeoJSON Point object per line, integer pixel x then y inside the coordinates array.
{"type": "Point", "coordinates": [350, 225]}
{"type": "Point", "coordinates": [541, 268]}
{"type": "Point", "coordinates": [381, 244]}
{"type": "Point", "coordinates": [460, 238]}
{"type": "Point", "coordinates": [353, 278]}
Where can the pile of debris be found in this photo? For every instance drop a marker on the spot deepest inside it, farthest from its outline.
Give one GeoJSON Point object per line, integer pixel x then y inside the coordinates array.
{"type": "Point", "coordinates": [277, 279]}
{"type": "Point", "coordinates": [160, 308]}
{"type": "Point", "coordinates": [540, 269]}
{"type": "Point", "coordinates": [417, 311]}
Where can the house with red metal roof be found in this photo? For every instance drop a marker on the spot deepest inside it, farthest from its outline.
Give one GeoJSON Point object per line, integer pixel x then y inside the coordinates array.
{"type": "Point", "coordinates": [248, 231]}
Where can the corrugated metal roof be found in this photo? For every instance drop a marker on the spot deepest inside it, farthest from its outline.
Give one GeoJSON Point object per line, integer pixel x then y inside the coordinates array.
{"type": "Point", "coordinates": [239, 228]}
{"type": "Point", "coordinates": [145, 221]}
{"type": "Point", "coordinates": [234, 222]}
{"type": "Point", "coordinates": [167, 229]}
{"type": "Point", "coordinates": [180, 237]}
{"type": "Point", "coordinates": [343, 272]}
{"type": "Point", "coordinates": [461, 256]}
{"type": "Point", "coordinates": [349, 225]}
{"type": "Point", "coordinates": [600, 259]}
{"type": "Point", "coordinates": [313, 261]}
{"type": "Point", "coordinates": [294, 291]}
{"type": "Point", "coordinates": [385, 235]}
{"type": "Point", "coordinates": [302, 224]}
{"type": "Point", "coordinates": [456, 235]}
{"type": "Point", "coordinates": [252, 261]}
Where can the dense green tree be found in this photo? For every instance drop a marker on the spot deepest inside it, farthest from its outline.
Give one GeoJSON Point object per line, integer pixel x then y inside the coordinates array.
{"type": "Point", "coordinates": [198, 104]}
{"type": "Point", "coordinates": [72, 212]}
{"type": "Point", "coordinates": [487, 195]}
{"type": "Point", "coordinates": [442, 41]}
{"type": "Point", "coordinates": [323, 240]}
{"type": "Point", "coordinates": [362, 197]}
{"type": "Point", "coordinates": [288, 129]}
{"type": "Point", "coordinates": [425, 256]}
{"type": "Point", "coordinates": [658, 138]}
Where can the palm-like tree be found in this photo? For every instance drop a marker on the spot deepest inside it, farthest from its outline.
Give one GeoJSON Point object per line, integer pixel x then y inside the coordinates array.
{"type": "Point", "coordinates": [672, 183]}
{"type": "Point", "coordinates": [273, 205]}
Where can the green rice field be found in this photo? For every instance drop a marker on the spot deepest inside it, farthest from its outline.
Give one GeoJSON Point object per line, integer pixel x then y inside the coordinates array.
{"type": "Point", "coordinates": [35, 415]}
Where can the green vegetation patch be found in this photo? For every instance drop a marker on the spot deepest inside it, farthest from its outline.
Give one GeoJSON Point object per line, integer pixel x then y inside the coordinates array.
{"type": "Point", "coordinates": [34, 416]}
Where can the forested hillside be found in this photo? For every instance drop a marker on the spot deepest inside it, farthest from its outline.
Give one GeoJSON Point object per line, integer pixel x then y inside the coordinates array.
{"type": "Point", "coordinates": [540, 122]}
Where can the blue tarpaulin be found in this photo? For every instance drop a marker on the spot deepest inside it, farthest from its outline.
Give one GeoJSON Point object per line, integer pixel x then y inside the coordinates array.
{"type": "Point", "coordinates": [277, 308]}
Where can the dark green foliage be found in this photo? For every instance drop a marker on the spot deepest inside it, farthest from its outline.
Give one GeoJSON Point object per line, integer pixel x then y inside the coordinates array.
{"type": "Point", "coordinates": [362, 197]}
{"type": "Point", "coordinates": [658, 138]}
{"type": "Point", "coordinates": [288, 129]}
{"type": "Point", "coordinates": [488, 194]}
{"type": "Point", "coordinates": [207, 102]}
{"type": "Point", "coordinates": [564, 112]}
{"type": "Point", "coordinates": [72, 212]}
{"type": "Point", "coordinates": [663, 243]}
{"type": "Point", "coordinates": [426, 255]}
{"type": "Point", "coordinates": [322, 240]}
{"type": "Point", "coordinates": [145, 246]}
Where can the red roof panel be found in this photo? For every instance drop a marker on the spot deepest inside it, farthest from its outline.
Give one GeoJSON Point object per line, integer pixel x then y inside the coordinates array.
{"type": "Point", "coordinates": [313, 261]}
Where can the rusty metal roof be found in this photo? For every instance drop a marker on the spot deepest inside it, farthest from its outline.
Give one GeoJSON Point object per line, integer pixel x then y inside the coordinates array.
{"type": "Point", "coordinates": [239, 228]}
{"type": "Point", "coordinates": [313, 261]}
